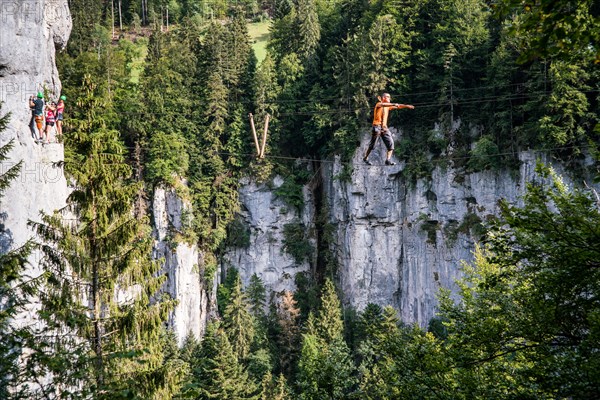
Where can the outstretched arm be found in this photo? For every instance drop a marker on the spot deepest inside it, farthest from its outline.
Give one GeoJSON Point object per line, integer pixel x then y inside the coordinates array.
{"type": "Point", "coordinates": [395, 106]}
{"type": "Point", "coordinates": [399, 106]}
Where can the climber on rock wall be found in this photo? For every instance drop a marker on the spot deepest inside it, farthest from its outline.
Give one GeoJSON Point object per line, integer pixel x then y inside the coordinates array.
{"type": "Point", "coordinates": [37, 115]}
{"type": "Point", "coordinates": [60, 109]}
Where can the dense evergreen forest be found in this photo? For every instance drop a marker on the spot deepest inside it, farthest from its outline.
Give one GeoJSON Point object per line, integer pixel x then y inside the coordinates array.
{"type": "Point", "coordinates": [159, 93]}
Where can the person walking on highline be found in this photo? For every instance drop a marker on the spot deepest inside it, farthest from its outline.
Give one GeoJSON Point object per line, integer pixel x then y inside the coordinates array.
{"type": "Point", "coordinates": [380, 128]}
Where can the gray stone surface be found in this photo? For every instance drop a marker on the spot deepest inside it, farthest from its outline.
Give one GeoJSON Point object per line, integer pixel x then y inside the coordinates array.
{"type": "Point", "coordinates": [181, 265]}
{"type": "Point", "coordinates": [266, 215]}
{"type": "Point", "coordinates": [396, 242]}
{"type": "Point", "coordinates": [30, 32]}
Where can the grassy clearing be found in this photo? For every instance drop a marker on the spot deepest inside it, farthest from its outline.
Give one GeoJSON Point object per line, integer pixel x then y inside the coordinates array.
{"type": "Point", "coordinates": [138, 63]}
{"type": "Point", "coordinates": [259, 36]}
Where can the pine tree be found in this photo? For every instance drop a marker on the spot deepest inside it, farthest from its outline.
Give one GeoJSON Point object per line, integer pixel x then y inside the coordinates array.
{"type": "Point", "coordinates": [325, 367]}
{"type": "Point", "coordinates": [377, 351]}
{"type": "Point", "coordinates": [406, 361]}
{"type": "Point", "coordinates": [241, 61]}
{"type": "Point", "coordinates": [14, 291]}
{"type": "Point", "coordinates": [390, 321]}
{"type": "Point", "coordinates": [274, 389]}
{"type": "Point", "coordinates": [190, 349]}
{"type": "Point", "coordinates": [309, 31]}
{"type": "Point", "coordinates": [173, 371]}
{"type": "Point", "coordinates": [309, 369]}
{"type": "Point", "coordinates": [102, 300]}
{"type": "Point", "coordinates": [310, 327]}
{"type": "Point", "coordinates": [566, 108]}
{"type": "Point", "coordinates": [168, 104]}
{"type": "Point", "coordinates": [329, 322]}
{"type": "Point", "coordinates": [282, 41]}
{"type": "Point", "coordinates": [216, 110]}
{"type": "Point", "coordinates": [224, 289]}
{"type": "Point", "coordinates": [256, 293]}
{"type": "Point", "coordinates": [218, 374]}
{"type": "Point", "coordinates": [260, 358]}
{"type": "Point", "coordinates": [266, 87]}
{"type": "Point", "coordinates": [288, 314]}
{"type": "Point", "coordinates": [369, 322]}
{"type": "Point", "coordinates": [502, 113]}
{"type": "Point", "coordinates": [239, 324]}
{"type": "Point", "coordinates": [324, 370]}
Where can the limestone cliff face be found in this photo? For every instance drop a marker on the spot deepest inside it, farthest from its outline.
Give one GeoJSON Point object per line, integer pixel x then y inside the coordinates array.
{"type": "Point", "coordinates": [181, 265]}
{"type": "Point", "coordinates": [30, 33]}
{"type": "Point", "coordinates": [400, 241]}
{"type": "Point", "coordinates": [266, 215]}
{"type": "Point", "coordinates": [396, 242]}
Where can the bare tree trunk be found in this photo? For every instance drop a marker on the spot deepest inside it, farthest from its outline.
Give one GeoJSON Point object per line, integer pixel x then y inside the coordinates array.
{"type": "Point", "coordinates": [254, 135]}
{"type": "Point", "coordinates": [120, 17]}
{"type": "Point", "coordinates": [112, 12]}
{"type": "Point", "coordinates": [143, 13]}
{"type": "Point", "coordinates": [264, 137]}
{"type": "Point", "coordinates": [140, 204]}
{"type": "Point", "coordinates": [96, 302]}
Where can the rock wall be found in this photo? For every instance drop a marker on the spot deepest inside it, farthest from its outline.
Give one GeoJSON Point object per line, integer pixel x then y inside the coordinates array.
{"type": "Point", "coordinates": [30, 33]}
{"type": "Point", "coordinates": [181, 262]}
{"type": "Point", "coordinates": [399, 242]}
{"type": "Point", "coordinates": [266, 215]}
{"type": "Point", "coordinates": [396, 242]}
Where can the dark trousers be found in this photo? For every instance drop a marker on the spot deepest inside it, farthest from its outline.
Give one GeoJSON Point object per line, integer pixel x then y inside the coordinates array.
{"type": "Point", "coordinates": [386, 136]}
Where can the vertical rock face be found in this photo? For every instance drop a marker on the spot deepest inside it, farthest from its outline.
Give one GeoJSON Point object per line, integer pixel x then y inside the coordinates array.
{"type": "Point", "coordinates": [30, 33]}
{"type": "Point", "coordinates": [396, 242]}
{"type": "Point", "coordinates": [266, 216]}
{"type": "Point", "coordinates": [399, 242]}
{"type": "Point", "coordinates": [181, 266]}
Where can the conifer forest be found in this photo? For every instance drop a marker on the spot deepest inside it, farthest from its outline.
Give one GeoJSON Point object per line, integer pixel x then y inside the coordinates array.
{"type": "Point", "coordinates": [159, 93]}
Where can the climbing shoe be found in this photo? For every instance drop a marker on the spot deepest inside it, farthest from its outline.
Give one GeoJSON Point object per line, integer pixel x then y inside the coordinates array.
{"type": "Point", "coordinates": [388, 162]}
{"type": "Point", "coordinates": [366, 161]}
